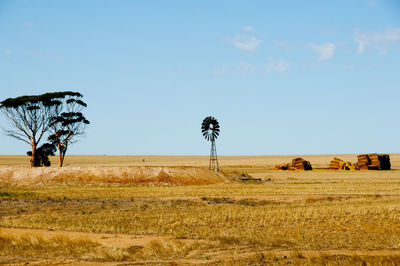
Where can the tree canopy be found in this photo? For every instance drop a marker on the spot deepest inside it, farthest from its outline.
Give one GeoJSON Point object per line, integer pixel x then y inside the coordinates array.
{"type": "Point", "coordinates": [67, 124]}
{"type": "Point", "coordinates": [32, 116]}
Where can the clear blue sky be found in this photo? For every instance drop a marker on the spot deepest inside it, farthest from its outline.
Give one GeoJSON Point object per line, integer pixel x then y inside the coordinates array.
{"type": "Point", "coordinates": [282, 77]}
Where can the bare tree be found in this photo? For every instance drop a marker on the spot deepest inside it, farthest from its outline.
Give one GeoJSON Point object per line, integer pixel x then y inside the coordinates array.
{"type": "Point", "coordinates": [68, 123]}
{"type": "Point", "coordinates": [29, 118]}
{"type": "Point", "coordinates": [59, 113]}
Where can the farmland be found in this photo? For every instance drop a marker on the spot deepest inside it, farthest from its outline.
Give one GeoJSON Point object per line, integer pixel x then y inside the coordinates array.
{"type": "Point", "coordinates": [299, 217]}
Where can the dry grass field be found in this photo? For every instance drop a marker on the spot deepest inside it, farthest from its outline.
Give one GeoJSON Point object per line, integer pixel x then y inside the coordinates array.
{"type": "Point", "coordinates": [312, 218]}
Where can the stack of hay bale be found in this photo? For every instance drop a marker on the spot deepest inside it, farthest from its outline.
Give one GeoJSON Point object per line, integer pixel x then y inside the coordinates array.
{"type": "Point", "coordinates": [301, 164]}
{"type": "Point", "coordinates": [373, 161]}
{"type": "Point", "coordinates": [339, 164]}
{"type": "Point", "coordinates": [296, 164]}
{"type": "Point", "coordinates": [363, 162]}
{"type": "Point", "coordinates": [335, 164]}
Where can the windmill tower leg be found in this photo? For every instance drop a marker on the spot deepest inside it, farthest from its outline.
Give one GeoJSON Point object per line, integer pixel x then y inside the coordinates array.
{"type": "Point", "coordinates": [213, 158]}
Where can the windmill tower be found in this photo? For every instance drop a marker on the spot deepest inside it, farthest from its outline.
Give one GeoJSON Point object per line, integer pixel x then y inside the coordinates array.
{"type": "Point", "coordinates": [210, 131]}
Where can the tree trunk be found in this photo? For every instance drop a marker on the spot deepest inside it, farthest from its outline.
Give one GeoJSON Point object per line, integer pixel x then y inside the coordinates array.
{"type": "Point", "coordinates": [60, 156]}
{"type": "Point", "coordinates": [33, 155]}
{"type": "Point", "coordinates": [35, 162]}
{"type": "Point", "coordinates": [61, 160]}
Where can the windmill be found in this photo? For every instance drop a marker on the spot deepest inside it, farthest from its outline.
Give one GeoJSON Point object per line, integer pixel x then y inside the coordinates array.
{"type": "Point", "coordinates": [210, 131]}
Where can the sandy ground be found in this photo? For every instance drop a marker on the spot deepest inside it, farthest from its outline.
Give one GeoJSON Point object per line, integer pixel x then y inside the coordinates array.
{"type": "Point", "coordinates": [163, 168]}
{"type": "Point", "coordinates": [160, 170]}
{"type": "Point", "coordinates": [159, 175]}
{"type": "Point", "coordinates": [108, 240]}
{"type": "Point", "coordinates": [126, 241]}
{"type": "Point", "coordinates": [269, 161]}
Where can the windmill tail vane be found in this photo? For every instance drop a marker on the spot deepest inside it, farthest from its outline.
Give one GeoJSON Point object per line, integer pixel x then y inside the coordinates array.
{"type": "Point", "coordinates": [210, 129]}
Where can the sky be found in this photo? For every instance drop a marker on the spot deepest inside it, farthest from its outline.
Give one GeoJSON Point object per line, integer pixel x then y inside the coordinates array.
{"type": "Point", "coordinates": [281, 77]}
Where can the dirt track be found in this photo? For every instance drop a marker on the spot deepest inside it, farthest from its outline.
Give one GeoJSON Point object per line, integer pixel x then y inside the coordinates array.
{"type": "Point", "coordinates": [125, 241]}
{"type": "Point", "coordinates": [321, 193]}
{"type": "Point", "coordinates": [108, 240]}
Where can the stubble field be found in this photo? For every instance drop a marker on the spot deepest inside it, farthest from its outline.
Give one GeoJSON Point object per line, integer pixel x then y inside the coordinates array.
{"type": "Point", "coordinates": [315, 217]}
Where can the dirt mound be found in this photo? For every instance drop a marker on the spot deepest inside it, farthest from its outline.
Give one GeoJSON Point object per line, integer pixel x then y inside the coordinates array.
{"type": "Point", "coordinates": [23, 176]}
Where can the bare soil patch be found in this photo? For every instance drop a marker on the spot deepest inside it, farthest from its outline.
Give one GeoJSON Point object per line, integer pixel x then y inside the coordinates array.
{"type": "Point", "coordinates": [265, 161]}
{"type": "Point", "coordinates": [108, 240]}
{"type": "Point", "coordinates": [214, 254]}
{"type": "Point", "coordinates": [123, 211]}
{"type": "Point", "coordinates": [159, 175]}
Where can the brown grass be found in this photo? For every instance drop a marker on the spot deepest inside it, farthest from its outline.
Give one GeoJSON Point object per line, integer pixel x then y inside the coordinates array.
{"type": "Point", "coordinates": [313, 218]}
{"type": "Point", "coordinates": [366, 223]}
{"type": "Point", "coordinates": [238, 162]}
{"type": "Point", "coordinates": [304, 258]}
{"type": "Point", "coordinates": [16, 248]}
{"type": "Point", "coordinates": [38, 247]}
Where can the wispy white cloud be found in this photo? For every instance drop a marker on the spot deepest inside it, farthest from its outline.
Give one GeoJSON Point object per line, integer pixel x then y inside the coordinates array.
{"type": "Point", "coordinates": [278, 66]}
{"type": "Point", "coordinates": [220, 71]}
{"type": "Point", "coordinates": [245, 68]}
{"type": "Point", "coordinates": [376, 41]}
{"type": "Point", "coordinates": [28, 24]}
{"type": "Point", "coordinates": [246, 44]}
{"type": "Point", "coordinates": [248, 28]}
{"type": "Point", "coordinates": [324, 51]}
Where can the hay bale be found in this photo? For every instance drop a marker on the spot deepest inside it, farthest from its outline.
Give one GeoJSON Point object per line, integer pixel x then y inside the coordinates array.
{"type": "Point", "coordinates": [373, 161]}
{"type": "Point", "coordinates": [335, 164]}
{"type": "Point", "coordinates": [385, 162]}
{"type": "Point", "coordinates": [348, 166]}
{"type": "Point", "coordinates": [296, 164]}
{"type": "Point", "coordinates": [339, 164]}
{"type": "Point", "coordinates": [301, 164]}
